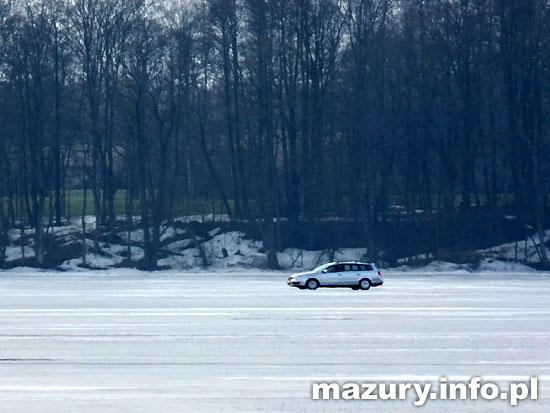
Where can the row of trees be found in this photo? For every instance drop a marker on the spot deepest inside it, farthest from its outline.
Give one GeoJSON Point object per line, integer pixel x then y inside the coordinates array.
{"type": "Point", "coordinates": [280, 108]}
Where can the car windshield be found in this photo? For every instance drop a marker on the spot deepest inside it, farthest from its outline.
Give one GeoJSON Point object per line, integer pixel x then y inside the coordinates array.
{"type": "Point", "coordinates": [322, 267]}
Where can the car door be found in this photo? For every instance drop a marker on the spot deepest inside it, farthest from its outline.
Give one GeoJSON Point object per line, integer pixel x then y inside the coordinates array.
{"type": "Point", "coordinates": [351, 274]}
{"type": "Point", "coordinates": [339, 275]}
{"type": "Point", "coordinates": [332, 276]}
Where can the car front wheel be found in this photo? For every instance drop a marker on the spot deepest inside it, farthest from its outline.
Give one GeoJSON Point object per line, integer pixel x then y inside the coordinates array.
{"type": "Point", "coordinates": [364, 284]}
{"type": "Point", "coordinates": [312, 284]}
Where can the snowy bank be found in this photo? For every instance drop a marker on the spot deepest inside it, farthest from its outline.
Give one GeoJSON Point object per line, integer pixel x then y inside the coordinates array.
{"type": "Point", "coordinates": [226, 251]}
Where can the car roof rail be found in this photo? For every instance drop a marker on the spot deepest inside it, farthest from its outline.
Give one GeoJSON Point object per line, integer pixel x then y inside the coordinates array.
{"type": "Point", "coordinates": [351, 262]}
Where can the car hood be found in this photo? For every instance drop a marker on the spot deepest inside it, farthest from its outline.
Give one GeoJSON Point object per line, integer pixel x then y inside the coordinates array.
{"type": "Point", "coordinates": [302, 274]}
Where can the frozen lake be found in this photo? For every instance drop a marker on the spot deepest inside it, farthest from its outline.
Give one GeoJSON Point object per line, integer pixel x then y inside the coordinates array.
{"type": "Point", "coordinates": [210, 343]}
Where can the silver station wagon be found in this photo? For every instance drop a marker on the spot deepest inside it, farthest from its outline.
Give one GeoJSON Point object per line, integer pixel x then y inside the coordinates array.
{"type": "Point", "coordinates": [352, 274]}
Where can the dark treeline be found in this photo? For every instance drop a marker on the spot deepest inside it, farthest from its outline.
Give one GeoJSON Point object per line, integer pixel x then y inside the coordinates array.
{"type": "Point", "coordinates": [369, 110]}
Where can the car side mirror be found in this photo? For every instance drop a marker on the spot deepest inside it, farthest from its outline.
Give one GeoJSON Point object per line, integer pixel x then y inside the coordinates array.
{"type": "Point", "coordinates": [324, 271]}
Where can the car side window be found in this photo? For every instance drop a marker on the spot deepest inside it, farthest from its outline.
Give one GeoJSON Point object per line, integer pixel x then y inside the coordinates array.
{"type": "Point", "coordinates": [346, 267]}
{"type": "Point", "coordinates": [369, 267]}
{"type": "Point", "coordinates": [355, 268]}
{"type": "Point", "coordinates": [332, 268]}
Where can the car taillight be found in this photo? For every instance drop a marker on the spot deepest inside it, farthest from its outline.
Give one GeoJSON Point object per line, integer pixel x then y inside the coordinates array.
{"type": "Point", "coordinates": [379, 272]}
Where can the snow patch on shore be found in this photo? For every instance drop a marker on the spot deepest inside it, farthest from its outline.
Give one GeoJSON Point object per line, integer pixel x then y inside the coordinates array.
{"type": "Point", "coordinates": [219, 251]}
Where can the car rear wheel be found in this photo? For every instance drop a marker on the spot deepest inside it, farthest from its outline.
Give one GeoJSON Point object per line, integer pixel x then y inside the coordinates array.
{"type": "Point", "coordinates": [312, 284]}
{"type": "Point", "coordinates": [364, 284]}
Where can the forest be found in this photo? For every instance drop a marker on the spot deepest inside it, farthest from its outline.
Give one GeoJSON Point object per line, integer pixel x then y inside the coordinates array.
{"type": "Point", "coordinates": [418, 126]}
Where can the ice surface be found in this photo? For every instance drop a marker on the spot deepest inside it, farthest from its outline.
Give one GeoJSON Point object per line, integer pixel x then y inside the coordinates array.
{"type": "Point", "coordinates": [245, 342]}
